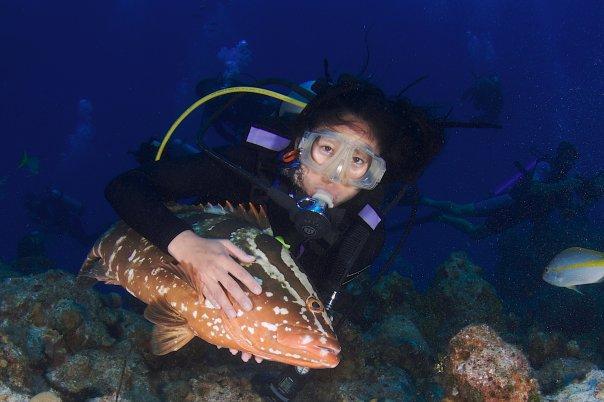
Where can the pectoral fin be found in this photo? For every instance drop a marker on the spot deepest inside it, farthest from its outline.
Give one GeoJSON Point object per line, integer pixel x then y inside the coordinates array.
{"type": "Point", "coordinates": [575, 289]}
{"type": "Point", "coordinates": [187, 273]}
{"type": "Point", "coordinates": [171, 331]}
{"type": "Point", "coordinates": [93, 267]}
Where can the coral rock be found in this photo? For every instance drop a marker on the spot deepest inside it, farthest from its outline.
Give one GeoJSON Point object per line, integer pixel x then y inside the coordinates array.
{"type": "Point", "coordinates": [591, 389]}
{"type": "Point", "coordinates": [482, 367]}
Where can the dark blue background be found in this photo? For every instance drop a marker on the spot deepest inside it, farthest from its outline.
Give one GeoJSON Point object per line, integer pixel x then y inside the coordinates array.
{"type": "Point", "coordinates": [138, 61]}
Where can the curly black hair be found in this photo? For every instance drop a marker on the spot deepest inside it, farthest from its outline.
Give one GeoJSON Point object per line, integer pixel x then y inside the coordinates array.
{"type": "Point", "coordinates": [407, 137]}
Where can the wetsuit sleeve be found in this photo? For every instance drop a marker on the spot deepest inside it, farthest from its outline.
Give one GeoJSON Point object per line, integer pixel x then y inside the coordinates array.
{"type": "Point", "coordinates": [139, 195]}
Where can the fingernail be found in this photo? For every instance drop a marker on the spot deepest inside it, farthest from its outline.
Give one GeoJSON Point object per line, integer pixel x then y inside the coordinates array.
{"type": "Point", "coordinates": [231, 313]}
{"type": "Point", "coordinates": [257, 290]}
{"type": "Point", "coordinates": [247, 305]}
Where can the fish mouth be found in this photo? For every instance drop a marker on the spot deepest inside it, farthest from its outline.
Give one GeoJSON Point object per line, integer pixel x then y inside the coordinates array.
{"type": "Point", "coordinates": [315, 350]}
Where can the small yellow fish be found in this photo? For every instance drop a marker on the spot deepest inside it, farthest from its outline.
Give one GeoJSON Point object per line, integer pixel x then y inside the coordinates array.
{"type": "Point", "coordinates": [575, 266]}
{"type": "Point", "coordinates": [30, 163]}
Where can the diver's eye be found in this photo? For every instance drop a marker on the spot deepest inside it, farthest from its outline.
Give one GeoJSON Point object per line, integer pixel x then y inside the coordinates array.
{"type": "Point", "coordinates": [314, 305]}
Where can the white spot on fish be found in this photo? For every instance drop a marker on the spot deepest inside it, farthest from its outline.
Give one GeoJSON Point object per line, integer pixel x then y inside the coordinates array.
{"type": "Point", "coordinates": [269, 294]}
{"type": "Point", "coordinates": [306, 340]}
{"type": "Point", "coordinates": [162, 290]}
{"type": "Point", "coordinates": [132, 255]}
{"type": "Point", "coordinates": [205, 316]}
{"type": "Point", "coordinates": [173, 304]}
{"type": "Point", "coordinates": [215, 328]}
{"type": "Point", "coordinates": [259, 308]}
{"type": "Point", "coordinates": [323, 340]}
{"type": "Point", "coordinates": [250, 330]}
{"type": "Point", "coordinates": [130, 275]}
{"type": "Point", "coordinates": [209, 304]}
{"type": "Point", "coordinates": [280, 310]}
{"type": "Point", "coordinates": [195, 314]}
{"type": "Point", "coordinates": [269, 326]}
{"type": "Point", "coordinates": [146, 278]}
{"type": "Point", "coordinates": [274, 351]}
{"type": "Point", "coordinates": [239, 313]}
{"type": "Point", "coordinates": [183, 307]}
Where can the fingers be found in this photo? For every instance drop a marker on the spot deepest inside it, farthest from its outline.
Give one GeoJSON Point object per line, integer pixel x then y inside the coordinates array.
{"type": "Point", "coordinates": [245, 356]}
{"type": "Point", "coordinates": [245, 277]}
{"type": "Point", "coordinates": [238, 271]}
{"type": "Point", "coordinates": [235, 291]}
{"type": "Point", "coordinates": [221, 300]}
{"type": "Point", "coordinates": [237, 252]}
{"type": "Point", "coordinates": [208, 295]}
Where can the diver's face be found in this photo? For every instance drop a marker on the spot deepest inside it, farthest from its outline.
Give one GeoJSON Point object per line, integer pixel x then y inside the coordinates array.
{"type": "Point", "coordinates": [311, 181]}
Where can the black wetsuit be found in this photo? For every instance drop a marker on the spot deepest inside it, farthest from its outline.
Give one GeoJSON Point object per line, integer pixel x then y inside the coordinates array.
{"type": "Point", "coordinates": [139, 198]}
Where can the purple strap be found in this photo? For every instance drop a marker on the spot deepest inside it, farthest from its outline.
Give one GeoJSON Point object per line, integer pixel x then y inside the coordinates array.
{"type": "Point", "coordinates": [266, 139]}
{"type": "Point", "coordinates": [370, 217]}
{"type": "Point", "coordinates": [508, 184]}
{"type": "Point", "coordinates": [300, 251]}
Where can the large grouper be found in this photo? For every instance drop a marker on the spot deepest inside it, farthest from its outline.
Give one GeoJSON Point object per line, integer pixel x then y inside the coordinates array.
{"type": "Point", "coordinates": [287, 324]}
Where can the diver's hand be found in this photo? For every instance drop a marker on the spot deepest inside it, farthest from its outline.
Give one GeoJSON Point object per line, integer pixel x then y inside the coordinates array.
{"type": "Point", "coordinates": [245, 356]}
{"type": "Point", "coordinates": [215, 269]}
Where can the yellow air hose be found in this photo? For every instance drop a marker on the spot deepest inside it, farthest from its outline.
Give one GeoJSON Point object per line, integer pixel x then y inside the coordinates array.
{"type": "Point", "coordinates": [216, 94]}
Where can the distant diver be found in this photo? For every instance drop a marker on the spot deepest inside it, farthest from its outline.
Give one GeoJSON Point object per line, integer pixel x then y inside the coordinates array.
{"type": "Point", "coordinates": [486, 97]}
{"type": "Point", "coordinates": [55, 212]}
{"type": "Point", "coordinates": [535, 193]}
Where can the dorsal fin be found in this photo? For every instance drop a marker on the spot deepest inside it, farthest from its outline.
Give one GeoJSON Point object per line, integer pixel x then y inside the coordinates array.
{"type": "Point", "coordinates": [253, 214]}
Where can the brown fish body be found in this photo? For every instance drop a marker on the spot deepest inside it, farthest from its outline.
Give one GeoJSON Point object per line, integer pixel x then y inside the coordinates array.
{"type": "Point", "coordinates": [287, 324]}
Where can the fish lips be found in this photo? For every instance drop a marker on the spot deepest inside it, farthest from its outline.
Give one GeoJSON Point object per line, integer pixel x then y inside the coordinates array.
{"type": "Point", "coordinates": [323, 349]}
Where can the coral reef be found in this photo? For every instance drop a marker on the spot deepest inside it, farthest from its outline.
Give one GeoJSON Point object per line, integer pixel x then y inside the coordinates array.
{"type": "Point", "coordinates": [480, 366]}
{"type": "Point", "coordinates": [62, 339]}
{"type": "Point", "coordinates": [56, 334]}
{"type": "Point", "coordinates": [459, 296]}
{"type": "Point", "coordinates": [591, 389]}
{"type": "Point", "coordinates": [561, 372]}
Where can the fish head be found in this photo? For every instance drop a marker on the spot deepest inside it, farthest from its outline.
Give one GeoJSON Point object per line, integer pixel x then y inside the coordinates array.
{"type": "Point", "coordinates": [554, 277]}
{"type": "Point", "coordinates": [288, 322]}
{"type": "Point", "coordinates": [287, 332]}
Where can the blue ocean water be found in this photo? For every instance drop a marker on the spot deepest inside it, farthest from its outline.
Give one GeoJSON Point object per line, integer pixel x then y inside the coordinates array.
{"type": "Point", "coordinates": [85, 82]}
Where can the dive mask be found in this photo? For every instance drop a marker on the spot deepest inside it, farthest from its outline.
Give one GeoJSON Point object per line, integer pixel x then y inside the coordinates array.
{"type": "Point", "coordinates": [341, 159]}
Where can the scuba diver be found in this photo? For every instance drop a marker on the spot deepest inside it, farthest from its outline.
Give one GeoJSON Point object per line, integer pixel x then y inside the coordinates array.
{"type": "Point", "coordinates": [56, 212]}
{"type": "Point", "coordinates": [486, 97]}
{"type": "Point", "coordinates": [333, 165]}
{"type": "Point", "coordinates": [531, 195]}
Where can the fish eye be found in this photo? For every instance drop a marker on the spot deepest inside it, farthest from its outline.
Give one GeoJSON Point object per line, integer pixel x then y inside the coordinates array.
{"type": "Point", "coordinates": [314, 305]}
